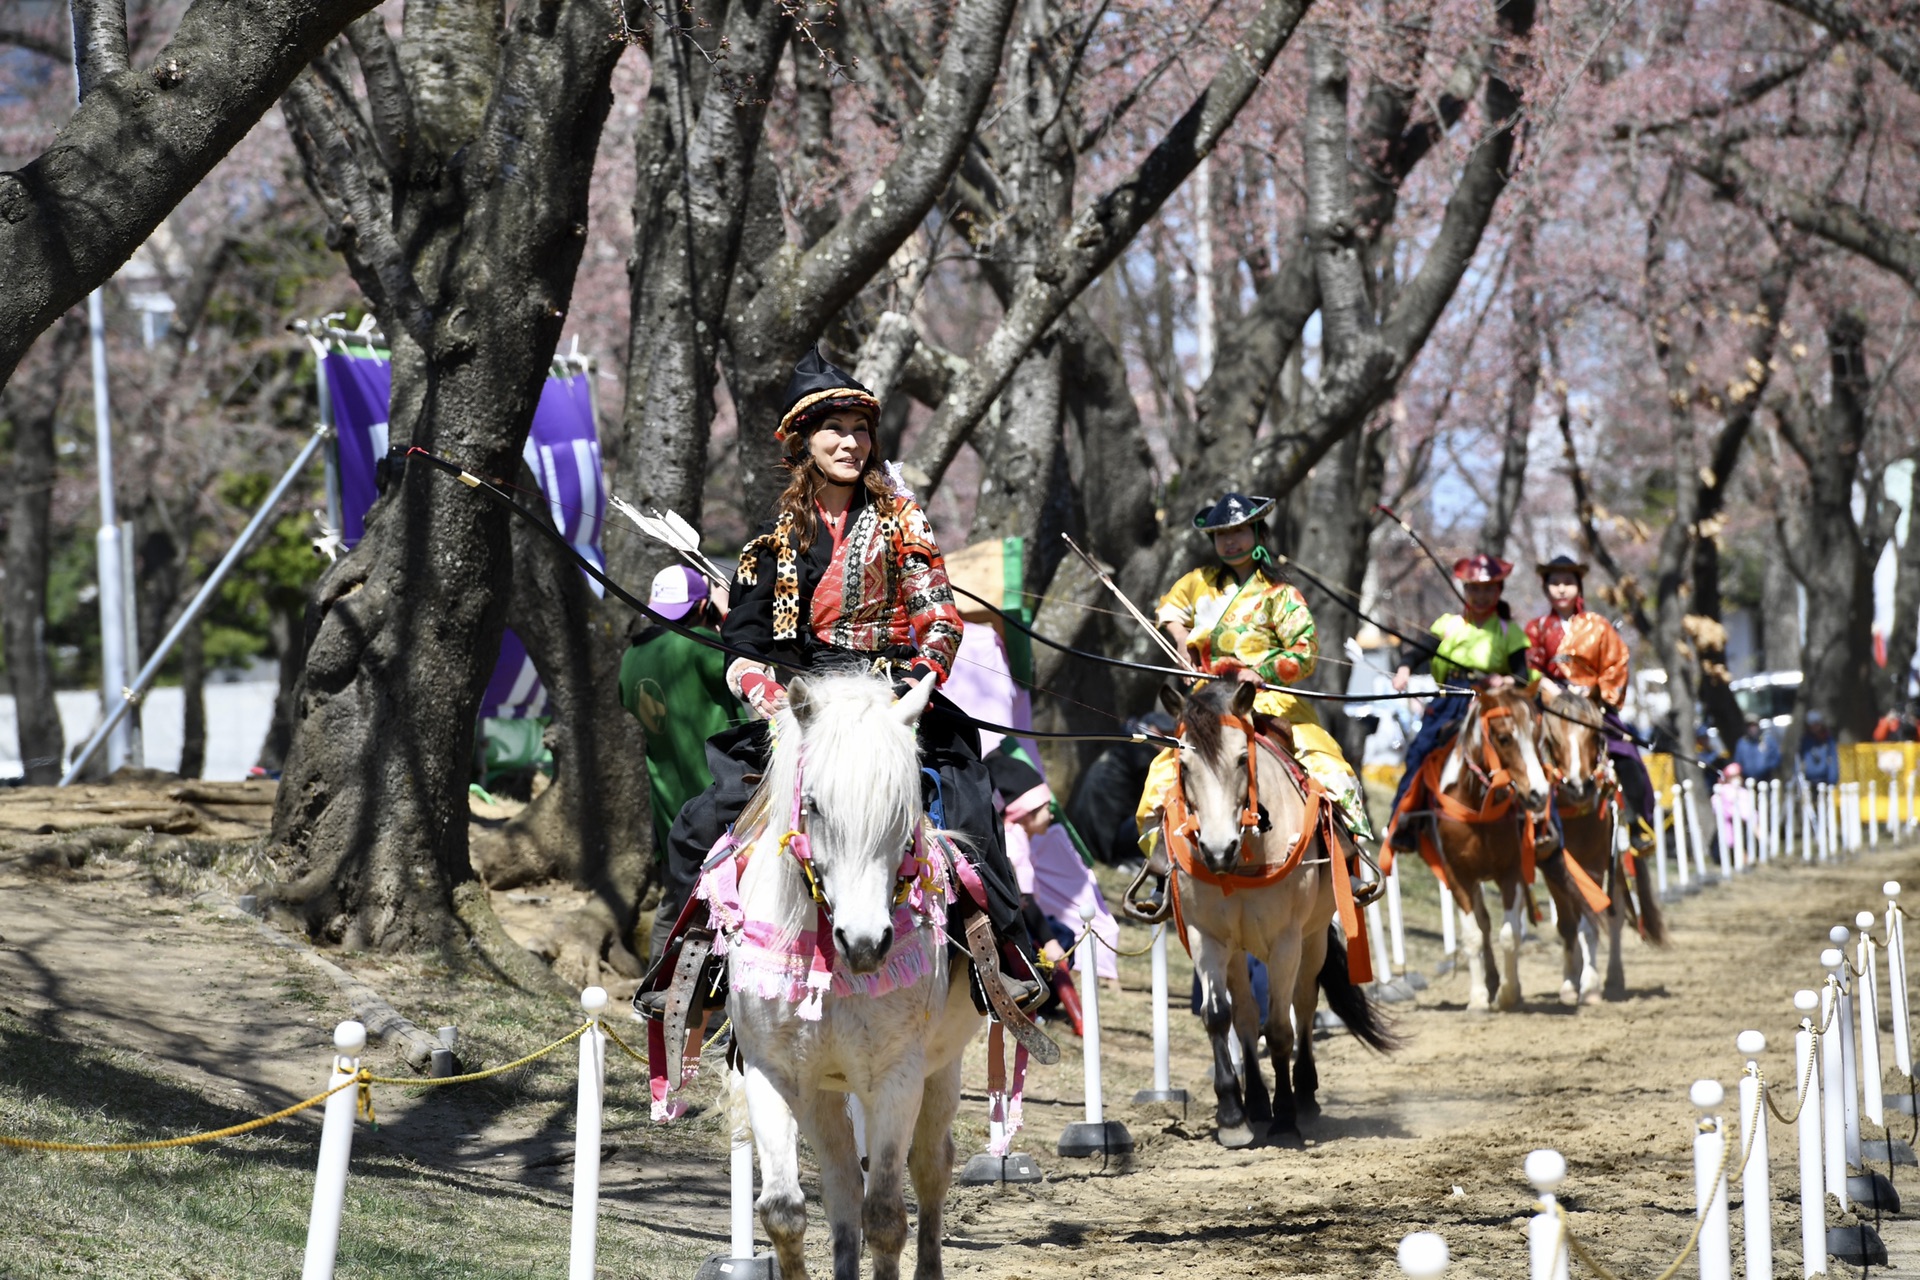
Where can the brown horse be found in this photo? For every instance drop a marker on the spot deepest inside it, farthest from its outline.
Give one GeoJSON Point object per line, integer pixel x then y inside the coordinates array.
{"type": "Point", "coordinates": [1587, 800]}
{"type": "Point", "coordinates": [1258, 866]}
{"type": "Point", "coordinates": [1481, 791]}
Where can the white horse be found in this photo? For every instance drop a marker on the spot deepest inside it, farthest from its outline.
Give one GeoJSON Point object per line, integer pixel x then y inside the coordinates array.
{"type": "Point", "coordinates": [845, 775]}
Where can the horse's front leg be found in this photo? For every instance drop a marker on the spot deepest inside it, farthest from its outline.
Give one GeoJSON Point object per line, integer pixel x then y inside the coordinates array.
{"type": "Point", "coordinates": [1616, 987]}
{"type": "Point", "coordinates": [931, 1166]}
{"type": "Point", "coordinates": [1589, 957]}
{"type": "Point", "coordinates": [1475, 926]}
{"type": "Point", "coordinates": [783, 1209]}
{"type": "Point", "coordinates": [1568, 927]}
{"type": "Point", "coordinates": [1513, 925]}
{"type": "Point", "coordinates": [1246, 1033]}
{"type": "Point", "coordinates": [1216, 1011]}
{"type": "Point", "coordinates": [892, 1110]}
{"type": "Point", "coordinates": [1283, 979]}
{"type": "Point", "coordinates": [825, 1119]}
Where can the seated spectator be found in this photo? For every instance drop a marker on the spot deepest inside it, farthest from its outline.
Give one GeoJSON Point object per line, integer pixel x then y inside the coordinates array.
{"type": "Point", "coordinates": [1757, 753]}
{"type": "Point", "coordinates": [1819, 753]}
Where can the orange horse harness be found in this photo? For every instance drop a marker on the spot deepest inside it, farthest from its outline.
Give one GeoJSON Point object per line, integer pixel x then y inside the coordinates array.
{"type": "Point", "coordinates": [1495, 805]}
{"type": "Point", "coordinates": [1181, 831]}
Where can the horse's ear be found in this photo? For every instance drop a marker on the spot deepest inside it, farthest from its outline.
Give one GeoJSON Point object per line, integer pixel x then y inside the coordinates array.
{"type": "Point", "coordinates": [800, 700]}
{"type": "Point", "coordinates": [915, 701]}
{"type": "Point", "coordinates": [1243, 695]}
{"type": "Point", "coordinates": [1173, 699]}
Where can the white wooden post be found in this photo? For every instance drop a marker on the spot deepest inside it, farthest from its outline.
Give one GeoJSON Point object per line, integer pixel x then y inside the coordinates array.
{"type": "Point", "coordinates": [336, 1146]}
{"type": "Point", "coordinates": [1680, 858]}
{"type": "Point", "coordinates": [1660, 842]}
{"type": "Point", "coordinates": [586, 1138]}
{"type": "Point", "coordinates": [1873, 813]}
{"type": "Point", "coordinates": [1395, 923]}
{"type": "Point", "coordinates": [740, 1169]}
{"type": "Point", "coordinates": [1911, 822]}
{"type": "Point", "coordinates": [1806, 822]}
{"type": "Point", "coordinates": [1813, 1195]}
{"type": "Point", "coordinates": [1163, 1090]}
{"type": "Point", "coordinates": [1867, 1003]}
{"type": "Point", "coordinates": [1546, 1243]}
{"type": "Point", "coordinates": [1849, 1065]}
{"type": "Point", "coordinates": [1084, 965]}
{"type": "Point", "coordinates": [1897, 980]}
{"type": "Point", "coordinates": [1756, 1183]}
{"type": "Point", "coordinates": [1695, 834]}
{"type": "Point", "coordinates": [1710, 1182]}
{"type": "Point", "coordinates": [1833, 1126]}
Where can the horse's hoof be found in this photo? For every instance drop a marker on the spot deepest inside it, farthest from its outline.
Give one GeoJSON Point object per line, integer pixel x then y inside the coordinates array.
{"type": "Point", "coordinates": [1237, 1138]}
{"type": "Point", "coordinates": [1479, 1004]}
{"type": "Point", "coordinates": [1569, 995]}
{"type": "Point", "coordinates": [1306, 1104]}
{"type": "Point", "coordinates": [1287, 1140]}
{"type": "Point", "coordinates": [1508, 1000]}
{"type": "Point", "coordinates": [1614, 992]}
{"type": "Point", "coordinates": [1590, 996]}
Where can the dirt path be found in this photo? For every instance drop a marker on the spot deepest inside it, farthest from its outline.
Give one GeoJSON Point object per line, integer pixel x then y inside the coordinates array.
{"type": "Point", "coordinates": [1429, 1138]}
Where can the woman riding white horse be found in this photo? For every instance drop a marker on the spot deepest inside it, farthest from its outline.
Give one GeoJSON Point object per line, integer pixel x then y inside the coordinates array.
{"type": "Point", "coordinates": [832, 918]}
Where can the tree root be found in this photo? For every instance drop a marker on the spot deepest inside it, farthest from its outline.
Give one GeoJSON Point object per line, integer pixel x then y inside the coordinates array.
{"type": "Point", "coordinates": [508, 958]}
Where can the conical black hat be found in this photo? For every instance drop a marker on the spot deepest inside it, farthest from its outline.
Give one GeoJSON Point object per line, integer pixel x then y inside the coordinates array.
{"type": "Point", "coordinates": [820, 386]}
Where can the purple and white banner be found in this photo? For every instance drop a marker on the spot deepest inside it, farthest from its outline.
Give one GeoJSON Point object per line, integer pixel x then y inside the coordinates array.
{"type": "Point", "coordinates": [562, 451]}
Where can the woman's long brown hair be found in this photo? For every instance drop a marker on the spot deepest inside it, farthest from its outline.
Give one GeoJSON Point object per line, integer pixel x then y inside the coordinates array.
{"type": "Point", "coordinates": [803, 489]}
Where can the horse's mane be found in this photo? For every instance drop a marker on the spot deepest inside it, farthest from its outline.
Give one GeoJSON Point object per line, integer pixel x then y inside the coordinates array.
{"type": "Point", "coordinates": [1212, 700]}
{"type": "Point", "coordinates": [1576, 707]}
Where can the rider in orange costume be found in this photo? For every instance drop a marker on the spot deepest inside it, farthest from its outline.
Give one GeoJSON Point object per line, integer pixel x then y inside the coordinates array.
{"type": "Point", "coordinates": [1573, 646]}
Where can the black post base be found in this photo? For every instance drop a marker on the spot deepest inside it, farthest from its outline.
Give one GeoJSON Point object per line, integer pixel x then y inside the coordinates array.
{"type": "Point", "coordinates": [985, 1170]}
{"type": "Point", "coordinates": [1870, 1190]}
{"type": "Point", "coordinates": [1859, 1246]}
{"type": "Point", "coordinates": [1083, 1138]}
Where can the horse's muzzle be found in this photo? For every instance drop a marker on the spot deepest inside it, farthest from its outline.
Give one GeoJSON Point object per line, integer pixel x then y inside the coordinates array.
{"type": "Point", "coordinates": [1222, 858]}
{"type": "Point", "coordinates": [864, 955]}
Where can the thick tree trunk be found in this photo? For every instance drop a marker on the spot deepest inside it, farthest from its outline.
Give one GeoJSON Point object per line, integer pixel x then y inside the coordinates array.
{"type": "Point", "coordinates": [470, 267]}
{"type": "Point", "coordinates": [288, 633]}
{"type": "Point", "coordinates": [1833, 563]}
{"type": "Point", "coordinates": [193, 694]}
{"type": "Point", "coordinates": [592, 827]}
{"type": "Point", "coordinates": [1335, 531]}
{"type": "Point", "coordinates": [1901, 640]}
{"type": "Point", "coordinates": [29, 547]}
{"type": "Point", "coordinates": [1780, 609]}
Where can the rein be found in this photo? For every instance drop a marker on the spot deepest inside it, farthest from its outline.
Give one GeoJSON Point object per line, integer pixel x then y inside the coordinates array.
{"type": "Point", "coordinates": [1181, 829]}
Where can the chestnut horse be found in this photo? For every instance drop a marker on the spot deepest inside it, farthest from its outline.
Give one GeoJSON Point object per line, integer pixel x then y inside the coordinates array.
{"type": "Point", "coordinates": [1587, 800]}
{"type": "Point", "coordinates": [1481, 790]}
{"type": "Point", "coordinates": [1254, 875]}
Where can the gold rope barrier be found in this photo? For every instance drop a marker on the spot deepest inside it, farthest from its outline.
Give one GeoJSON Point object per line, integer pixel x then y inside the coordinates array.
{"type": "Point", "coordinates": [363, 1079]}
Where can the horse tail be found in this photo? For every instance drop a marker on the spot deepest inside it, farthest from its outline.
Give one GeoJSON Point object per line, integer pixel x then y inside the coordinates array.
{"type": "Point", "coordinates": [1349, 1002]}
{"type": "Point", "coordinates": [1653, 924]}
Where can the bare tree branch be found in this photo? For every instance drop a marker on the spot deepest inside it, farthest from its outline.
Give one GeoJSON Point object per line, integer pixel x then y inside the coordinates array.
{"type": "Point", "coordinates": [99, 41]}
{"type": "Point", "coordinates": [1896, 47]}
{"type": "Point", "coordinates": [1100, 234]}
{"type": "Point", "coordinates": [1835, 221]}
{"type": "Point", "coordinates": [138, 143]}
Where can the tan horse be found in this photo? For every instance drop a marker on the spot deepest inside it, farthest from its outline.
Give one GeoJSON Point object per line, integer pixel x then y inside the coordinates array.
{"type": "Point", "coordinates": [1588, 803]}
{"type": "Point", "coordinates": [1481, 790]}
{"type": "Point", "coordinates": [1252, 877]}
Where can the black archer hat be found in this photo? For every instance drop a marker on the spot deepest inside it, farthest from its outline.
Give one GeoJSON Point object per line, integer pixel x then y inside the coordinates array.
{"type": "Point", "coordinates": [1562, 563]}
{"type": "Point", "coordinates": [1232, 511]}
{"type": "Point", "coordinates": [818, 386]}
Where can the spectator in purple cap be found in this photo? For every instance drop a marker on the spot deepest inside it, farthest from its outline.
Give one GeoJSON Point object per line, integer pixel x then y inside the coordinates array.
{"type": "Point", "coordinates": [678, 689]}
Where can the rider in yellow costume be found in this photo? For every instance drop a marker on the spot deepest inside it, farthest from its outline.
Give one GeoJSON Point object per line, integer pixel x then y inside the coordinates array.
{"type": "Point", "coordinates": [1240, 617]}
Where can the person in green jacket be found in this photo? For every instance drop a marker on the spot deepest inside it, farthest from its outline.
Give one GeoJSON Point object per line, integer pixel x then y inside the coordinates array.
{"type": "Point", "coordinates": [677, 687]}
{"type": "Point", "coordinates": [1481, 646]}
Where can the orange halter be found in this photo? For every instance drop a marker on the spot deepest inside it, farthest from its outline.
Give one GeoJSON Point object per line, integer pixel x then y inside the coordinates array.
{"type": "Point", "coordinates": [1181, 830]}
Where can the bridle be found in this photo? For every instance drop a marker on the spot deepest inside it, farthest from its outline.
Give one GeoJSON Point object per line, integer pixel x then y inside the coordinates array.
{"type": "Point", "coordinates": [1181, 829]}
{"type": "Point", "coordinates": [796, 842]}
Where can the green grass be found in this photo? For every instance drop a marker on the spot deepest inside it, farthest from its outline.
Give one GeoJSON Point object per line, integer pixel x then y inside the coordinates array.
{"type": "Point", "coordinates": [239, 1208]}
